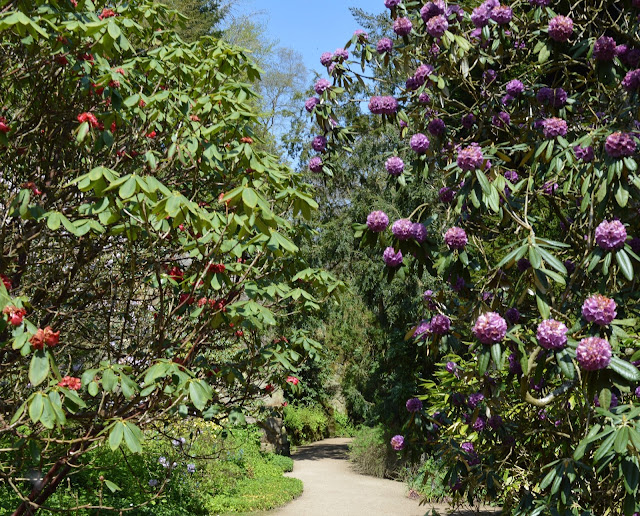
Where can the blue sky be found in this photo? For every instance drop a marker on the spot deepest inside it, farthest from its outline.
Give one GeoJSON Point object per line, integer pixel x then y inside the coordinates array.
{"type": "Point", "coordinates": [310, 26]}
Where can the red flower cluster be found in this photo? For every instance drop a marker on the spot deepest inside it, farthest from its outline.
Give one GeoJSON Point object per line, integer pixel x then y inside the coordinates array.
{"type": "Point", "coordinates": [247, 139]}
{"type": "Point", "coordinates": [187, 299]}
{"type": "Point", "coordinates": [114, 84]}
{"type": "Point", "coordinates": [14, 314]}
{"type": "Point", "coordinates": [106, 13]}
{"type": "Point", "coordinates": [216, 268]}
{"type": "Point", "coordinates": [269, 388]}
{"type": "Point", "coordinates": [4, 127]}
{"type": "Point", "coordinates": [152, 135]}
{"type": "Point", "coordinates": [293, 380]}
{"type": "Point", "coordinates": [6, 281]}
{"type": "Point", "coordinates": [46, 336]}
{"type": "Point", "coordinates": [212, 303]}
{"type": "Point", "coordinates": [194, 118]}
{"type": "Point", "coordinates": [86, 57]}
{"type": "Point", "coordinates": [280, 339]}
{"type": "Point", "coordinates": [61, 60]}
{"type": "Point", "coordinates": [88, 117]}
{"type": "Point", "coordinates": [239, 333]}
{"type": "Point", "coordinates": [176, 274]}
{"type": "Point", "coordinates": [71, 383]}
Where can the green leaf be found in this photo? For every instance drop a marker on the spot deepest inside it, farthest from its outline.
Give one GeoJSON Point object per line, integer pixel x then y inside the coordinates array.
{"type": "Point", "coordinates": [605, 447]}
{"type": "Point", "coordinates": [625, 369]}
{"type": "Point", "coordinates": [622, 438]}
{"type": "Point", "coordinates": [484, 356]}
{"type": "Point", "coordinates": [36, 407]}
{"type": "Point", "coordinates": [112, 487]}
{"type": "Point", "coordinates": [496, 354]}
{"type": "Point", "coordinates": [534, 257]}
{"type": "Point", "coordinates": [552, 260]}
{"type": "Point", "coordinates": [624, 262]}
{"type": "Point", "coordinates": [116, 435]}
{"type": "Point", "coordinates": [131, 438]}
{"type": "Point", "coordinates": [109, 380]}
{"type": "Point", "coordinates": [128, 189]}
{"type": "Point", "coordinates": [39, 368]}
{"type": "Point", "coordinates": [563, 359]}
{"type": "Point", "coordinates": [249, 197]}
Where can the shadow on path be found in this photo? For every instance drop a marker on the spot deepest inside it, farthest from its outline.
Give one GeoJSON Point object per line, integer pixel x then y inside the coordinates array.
{"type": "Point", "coordinates": [322, 451]}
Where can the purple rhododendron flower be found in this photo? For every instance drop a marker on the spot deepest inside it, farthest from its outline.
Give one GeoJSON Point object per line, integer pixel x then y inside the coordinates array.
{"type": "Point", "coordinates": [471, 157]}
{"type": "Point", "coordinates": [631, 81]}
{"type": "Point", "coordinates": [468, 120]}
{"type": "Point", "coordinates": [414, 405]}
{"type": "Point", "coordinates": [402, 229]}
{"type": "Point", "coordinates": [341, 55]}
{"type": "Point", "coordinates": [383, 105]}
{"type": "Point", "coordinates": [311, 103]}
{"type": "Point", "coordinates": [479, 424]}
{"type": "Point", "coordinates": [431, 9]}
{"type": "Point", "coordinates": [515, 87]}
{"type": "Point", "coordinates": [326, 58]}
{"type": "Point", "coordinates": [552, 334]}
{"type": "Point", "coordinates": [593, 353]}
{"type": "Point", "coordinates": [611, 235]}
{"type": "Point", "coordinates": [440, 324]}
{"type": "Point", "coordinates": [599, 309]}
{"type": "Point", "coordinates": [511, 175]}
{"type": "Point", "coordinates": [315, 164]}
{"type": "Point", "coordinates": [555, 97]}
{"type": "Point", "coordinates": [321, 86]}
{"type": "Point", "coordinates": [319, 143]}
{"type": "Point", "coordinates": [480, 16]}
{"type": "Point", "coordinates": [377, 221]}
{"type": "Point", "coordinates": [502, 14]}
{"type": "Point", "coordinates": [620, 145]}
{"type": "Point", "coordinates": [512, 315]}
{"type": "Point", "coordinates": [549, 188]}
{"type": "Point", "coordinates": [560, 28]}
{"type": "Point", "coordinates": [490, 328]}
{"type": "Point", "coordinates": [384, 45]}
{"type": "Point", "coordinates": [423, 330]}
{"type": "Point", "coordinates": [451, 367]}
{"type": "Point", "coordinates": [418, 232]}
{"type": "Point", "coordinates": [394, 165]}
{"type": "Point", "coordinates": [436, 127]}
{"type": "Point", "coordinates": [604, 49]}
{"type": "Point", "coordinates": [475, 399]}
{"type": "Point", "coordinates": [554, 127]}
{"type": "Point", "coordinates": [392, 3]}
{"type": "Point", "coordinates": [584, 153]}
{"type": "Point", "coordinates": [397, 442]}
{"type": "Point", "coordinates": [514, 364]}
{"type": "Point", "coordinates": [391, 258]}
{"type": "Point", "coordinates": [437, 26]}
{"type": "Point", "coordinates": [446, 194]}
{"type": "Point", "coordinates": [523, 264]}
{"type": "Point", "coordinates": [424, 98]}
{"type": "Point", "coordinates": [402, 26]}
{"type": "Point", "coordinates": [455, 238]}
{"type": "Point", "coordinates": [419, 143]}
{"type": "Point", "coordinates": [494, 422]}
{"type": "Point", "coordinates": [361, 35]}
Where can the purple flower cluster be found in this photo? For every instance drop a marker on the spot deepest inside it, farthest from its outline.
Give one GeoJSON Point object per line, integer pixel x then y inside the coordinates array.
{"type": "Point", "coordinates": [468, 120]}
{"type": "Point", "coordinates": [418, 232]}
{"type": "Point", "coordinates": [436, 127]}
{"type": "Point", "coordinates": [467, 447]}
{"type": "Point", "coordinates": [384, 45]}
{"type": "Point", "coordinates": [423, 330]}
{"type": "Point", "coordinates": [620, 145]}
{"type": "Point", "coordinates": [424, 98]}
{"type": "Point", "coordinates": [593, 353]}
{"type": "Point", "coordinates": [437, 26]}
{"type": "Point", "coordinates": [315, 164]}
{"type": "Point", "coordinates": [604, 49]}
{"type": "Point", "coordinates": [554, 97]}
{"type": "Point", "coordinates": [512, 315]}
{"type": "Point", "coordinates": [560, 28]}
{"type": "Point", "coordinates": [502, 14]}
{"type": "Point", "coordinates": [451, 367]}
{"type": "Point", "coordinates": [514, 364]}
{"type": "Point", "coordinates": [361, 35]}
{"type": "Point", "coordinates": [552, 334]}
{"type": "Point", "coordinates": [475, 399]}
{"type": "Point", "coordinates": [341, 55]}
{"type": "Point", "coordinates": [480, 15]}
{"type": "Point", "coordinates": [377, 221]}
{"type": "Point", "coordinates": [631, 81]}
{"type": "Point", "coordinates": [446, 194]}
{"type": "Point", "coordinates": [394, 165]}
{"type": "Point", "coordinates": [540, 3]}
{"type": "Point", "coordinates": [440, 324]}
{"type": "Point", "coordinates": [321, 86]}
{"type": "Point", "coordinates": [319, 143]}
{"type": "Point", "coordinates": [419, 143]}
{"type": "Point", "coordinates": [514, 87]}
{"type": "Point", "coordinates": [311, 103]}
{"type": "Point", "coordinates": [326, 58]}
{"type": "Point", "coordinates": [392, 3]}
{"type": "Point", "coordinates": [431, 9]}
{"type": "Point", "coordinates": [523, 264]}
{"type": "Point", "coordinates": [511, 175]}
{"type": "Point", "coordinates": [455, 238]}
{"type": "Point", "coordinates": [554, 127]}
{"type": "Point", "coordinates": [402, 26]}
{"type": "Point", "coordinates": [599, 309]}
{"type": "Point", "coordinates": [414, 405]}
{"type": "Point", "coordinates": [383, 105]}
{"type": "Point", "coordinates": [402, 229]}
{"type": "Point", "coordinates": [391, 258]}
{"type": "Point", "coordinates": [397, 442]}
{"type": "Point", "coordinates": [471, 157]}
{"type": "Point", "coordinates": [611, 235]}
{"type": "Point", "coordinates": [584, 153]}
{"type": "Point", "coordinates": [490, 328]}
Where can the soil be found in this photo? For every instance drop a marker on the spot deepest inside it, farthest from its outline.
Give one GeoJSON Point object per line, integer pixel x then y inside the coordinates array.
{"type": "Point", "coordinates": [332, 488]}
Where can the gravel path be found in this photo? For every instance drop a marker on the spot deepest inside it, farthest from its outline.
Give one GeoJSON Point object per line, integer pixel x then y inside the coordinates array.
{"type": "Point", "coordinates": [332, 488]}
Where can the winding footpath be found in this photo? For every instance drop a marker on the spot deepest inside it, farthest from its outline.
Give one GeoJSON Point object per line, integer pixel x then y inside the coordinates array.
{"type": "Point", "coordinates": [332, 488]}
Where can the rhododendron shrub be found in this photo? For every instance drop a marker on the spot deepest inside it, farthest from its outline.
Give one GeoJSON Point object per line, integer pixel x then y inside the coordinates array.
{"type": "Point", "coordinates": [148, 243]}
{"type": "Point", "coordinates": [532, 147]}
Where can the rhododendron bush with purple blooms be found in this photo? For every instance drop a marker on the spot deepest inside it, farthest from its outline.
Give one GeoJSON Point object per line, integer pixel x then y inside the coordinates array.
{"type": "Point", "coordinates": [526, 123]}
{"type": "Point", "coordinates": [148, 243]}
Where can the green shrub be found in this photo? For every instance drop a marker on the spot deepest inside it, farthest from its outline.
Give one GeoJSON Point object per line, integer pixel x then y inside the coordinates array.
{"type": "Point", "coordinates": [305, 424]}
{"type": "Point", "coordinates": [284, 463]}
{"type": "Point", "coordinates": [344, 426]}
{"type": "Point", "coordinates": [371, 455]}
{"type": "Point", "coordinates": [427, 479]}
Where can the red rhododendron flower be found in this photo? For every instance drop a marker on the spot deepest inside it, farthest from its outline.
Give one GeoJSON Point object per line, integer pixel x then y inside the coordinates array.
{"type": "Point", "coordinates": [70, 382]}
{"type": "Point", "coordinates": [247, 139]}
{"type": "Point", "coordinates": [187, 299]}
{"type": "Point", "coordinates": [14, 314]}
{"type": "Point", "coordinates": [239, 333]}
{"type": "Point", "coordinates": [88, 117]}
{"type": "Point", "coordinates": [194, 118]}
{"type": "Point", "coordinates": [7, 282]}
{"type": "Point", "coordinates": [32, 186]}
{"type": "Point", "coordinates": [113, 127]}
{"type": "Point", "coordinates": [86, 57]}
{"type": "Point", "coordinates": [4, 127]}
{"type": "Point", "coordinates": [152, 135]}
{"type": "Point", "coordinates": [106, 13]}
{"type": "Point", "coordinates": [269, 388]}
{"type": "Point", "coordinates": [114, 84]}
{"type": "Point", "coordinates": [176, 274]}
{"type": "Point", "coordinates": [120, 71]}
{"type": "Point", "coordinates": [216, 268]}
{"type": "Point", "coordinates": [46, 336]}
{"type": "Point", "coordinates": [61, 60]}
{"type": "Point", "coordinates": [293, 380]}
{"type": "Point", "coordinates": [142, 103]}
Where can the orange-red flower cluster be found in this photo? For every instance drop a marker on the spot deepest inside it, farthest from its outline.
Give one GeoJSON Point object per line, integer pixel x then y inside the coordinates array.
{"type": "Point", "coordinates": [46, 336]}
{"type": "Point", "coordinates": [71, 383]}
{"type": "Point", "coordinates": [14, 314]}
